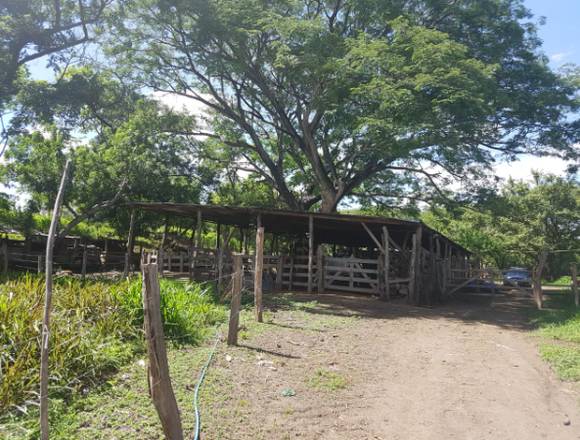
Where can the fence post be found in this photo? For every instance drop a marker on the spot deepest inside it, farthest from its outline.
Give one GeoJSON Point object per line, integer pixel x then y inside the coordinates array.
{"type": "Point", "coordinates": [44, 347]}
{"type": "Point", "coordinates": [84, 264]}
{"type": "Point", "coordinates": [574, 273]}
{"type": "Point", "coordinates": [387, 267]}
{"type": "Point", "coordinates": [39, 268]}
{"type": "Point", "coordinates": [236, 301]}
{"type": "Point", "coordinates": [158, 370]}
{"type": "Point", "coordinates": [258, 265]}
{"type": "Point", "coordinates": [130, 239]}
{"type": "Point", "coordinates": [320, 268]}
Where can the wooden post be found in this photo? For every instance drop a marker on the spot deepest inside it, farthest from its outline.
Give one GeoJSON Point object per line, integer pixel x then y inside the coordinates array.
{"type": "Point", "coordinates": [387, 267]}
{"type": "Point", "coordinates": [161, 254]}
{"type": "Point", "coordinates": [258, 265]}
{"type": "Point", "coordinates": [310, 250]}
{"type": "Point", "coordinates": [574, 273]}
{"type": "Point", "coordinates": [84, 263]}
{"type": "Point", "coordinates": [197, 242]}
{"type": "Point", "coordinates": [236, 301]}
{"type": "Point", "coordinates": [158, 369]}
{"type": "Point", "coordinates": [39, 268]}
{"type": "Point", "coordinates": [130, 238]}
{"type": "Point", "coordinates": [44, 348]}
{"type": "Point", "coordinates": [415, 268]}
{"type": "Point", "coordinates": [412, 270]}
{"type": "Point", "coordinates": [320, 268]}
{"type": "Point", "coordinates": [537, 279]}
{"type": "Point", "coordinates": [291, 273]}
{"type": "Point", "coordinates": [280, 272]}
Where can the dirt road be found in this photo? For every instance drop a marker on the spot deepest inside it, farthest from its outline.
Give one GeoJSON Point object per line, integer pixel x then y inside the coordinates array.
{"type": "Point", "coordinates": [468, 370]}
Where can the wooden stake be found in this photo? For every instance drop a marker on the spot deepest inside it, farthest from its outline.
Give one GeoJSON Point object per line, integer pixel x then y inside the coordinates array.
{"type": "Point", "coordinates": [387, 268]}
{"type": "Point", "coordinates": [44, 349]}
{"type": "Point", "coordinates": [258, 265]}
{"type": "Point", "coordinates": [310, 251]}
{"type": "Point", "coordinates": [130, 238]}
{"type": "Point", "coordinates": [84, 263]}
{"type": "Point", "coordinates": [39, 268]}
{"type": "Point", "coordinates": [158, 369]}
{"type": "Point", "coordinates": [574, 273]}
{"type": "Point", "coordinates": [412, 270]}
{"type": "Point", "coordinates": [236, 301]}
{"type": "Point", "coordinates": [320, 268]}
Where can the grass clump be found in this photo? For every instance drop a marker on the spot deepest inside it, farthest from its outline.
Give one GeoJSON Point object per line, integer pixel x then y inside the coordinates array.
{"type": "Point", "coordinates": [327, 380]}
{"type": "Point", "coordinates": [564, 360]}
{"type": "Point", "coordinates": [558, 324]}
{"type": "Point", "coordinates": [96, 327]}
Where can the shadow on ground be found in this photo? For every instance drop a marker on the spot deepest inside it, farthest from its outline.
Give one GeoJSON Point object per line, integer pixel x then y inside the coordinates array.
{"type": "Point", "coordinates": [507, 310]}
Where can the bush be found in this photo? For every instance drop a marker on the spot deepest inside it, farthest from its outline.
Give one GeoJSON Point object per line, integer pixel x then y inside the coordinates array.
{"type": "Point", "coordinates": [95, 328]}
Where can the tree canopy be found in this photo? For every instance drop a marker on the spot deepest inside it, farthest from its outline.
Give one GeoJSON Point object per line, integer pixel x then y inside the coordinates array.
{"type": "Point", "coordinates": [331, 100]}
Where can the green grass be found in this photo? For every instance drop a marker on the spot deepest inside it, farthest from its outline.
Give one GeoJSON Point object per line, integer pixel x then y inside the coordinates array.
{"type": "Point", "coordinates": [96, 328]}
{"type": "Point", "coordinates": [327, 380]}
{"type": "Point", "coordinates": [564, 281]}
{"type": "Point", "coordinates": [564, 360]}
{"type": "Point", "coordinates": [558, 326]}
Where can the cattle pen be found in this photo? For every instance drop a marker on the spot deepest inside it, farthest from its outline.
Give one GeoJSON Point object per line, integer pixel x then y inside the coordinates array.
{"type": "Point", "coordinates": [312, 252]}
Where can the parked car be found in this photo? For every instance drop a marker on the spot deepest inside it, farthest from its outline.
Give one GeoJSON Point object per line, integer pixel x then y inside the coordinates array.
{"type": "Point", "coordinates": [517, 276]}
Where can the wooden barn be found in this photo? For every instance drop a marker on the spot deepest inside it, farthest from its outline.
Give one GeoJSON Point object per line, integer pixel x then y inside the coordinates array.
{"type": "Point", "coordinates": [314, 252]}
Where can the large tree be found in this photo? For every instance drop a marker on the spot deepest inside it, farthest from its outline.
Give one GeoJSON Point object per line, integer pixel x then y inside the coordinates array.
{"type": "Point", "coordinates": [34, 29]}
{"type": "Point", "coordinates": [326, 100]}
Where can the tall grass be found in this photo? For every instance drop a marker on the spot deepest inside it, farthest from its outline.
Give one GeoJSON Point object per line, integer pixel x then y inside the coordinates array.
{"type": "Point", "coordinates": [95, 328]}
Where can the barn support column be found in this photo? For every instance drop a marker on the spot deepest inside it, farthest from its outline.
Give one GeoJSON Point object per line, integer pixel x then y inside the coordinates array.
{"type": "Point", "coordinates": [258, 265]}
{"type": "Point", "coordinates": [320, 268]}
{"type": "Point", "coordinates": [310, 250]}
{"type": "Point", "coordinates": [386, 294]}
{"type": "Point", "coordinates": [196, 244]}
{"type": "Point", "coordinates": [129, 252]}
{"type": "Point", "coordinates": [415, 268]}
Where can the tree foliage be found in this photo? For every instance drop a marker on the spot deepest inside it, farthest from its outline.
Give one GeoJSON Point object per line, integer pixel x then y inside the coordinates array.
{"type": "Point", "coordinates": [514, 226]}
{"type": "Point", "coordinates": [327, 100]}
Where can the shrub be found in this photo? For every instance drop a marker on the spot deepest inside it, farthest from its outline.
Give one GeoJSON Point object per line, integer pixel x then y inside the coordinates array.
{"type": "Point", "coordinates": [95, 328]}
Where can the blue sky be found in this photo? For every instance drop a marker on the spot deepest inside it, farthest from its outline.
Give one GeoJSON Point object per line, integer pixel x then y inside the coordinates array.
{"type": "Point", "coordinates": [561, 33]}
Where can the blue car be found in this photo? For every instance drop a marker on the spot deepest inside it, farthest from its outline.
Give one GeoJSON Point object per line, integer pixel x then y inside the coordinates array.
{"type": "Point", "coordinates": [517, 277]}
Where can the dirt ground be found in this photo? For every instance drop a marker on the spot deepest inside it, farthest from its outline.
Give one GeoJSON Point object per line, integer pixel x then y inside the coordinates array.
{"type": "Point", "coordinates": [349, 367]}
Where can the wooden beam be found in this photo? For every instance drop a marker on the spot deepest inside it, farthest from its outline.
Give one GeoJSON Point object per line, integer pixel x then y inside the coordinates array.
{"type": "Point", "coordinates": [258, 265]}
{"type": "Point", "coordinates": [310, 251]}
{"type": "Point", "coordinates": [387, 266]}
{"type": "Point", "coordinates": [44, 346]}
{"type": "Point", "coordinates": [375, 239]}
{"type": "Point", "coordinates": [158, 372]}
{"type": "Point", "coordinates": [320, 268]}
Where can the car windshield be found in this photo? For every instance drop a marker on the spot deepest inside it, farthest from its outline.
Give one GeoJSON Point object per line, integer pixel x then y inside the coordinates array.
{"type": "Point", "coordinates": [517, 273]}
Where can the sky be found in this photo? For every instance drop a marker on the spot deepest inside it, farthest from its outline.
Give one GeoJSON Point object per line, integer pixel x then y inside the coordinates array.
{"type": "Point", "coordinates": [561, 43]}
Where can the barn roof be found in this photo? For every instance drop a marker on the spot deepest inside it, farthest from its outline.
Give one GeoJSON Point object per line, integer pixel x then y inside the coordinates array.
{"type": "Point", "coordinates": [332, 228]}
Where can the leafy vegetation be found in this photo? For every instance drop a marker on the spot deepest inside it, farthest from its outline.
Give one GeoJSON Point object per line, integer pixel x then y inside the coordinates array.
{"type": "Point", "coordinates": [511, 227]}
{"type": "Point", "coordinates": [559, 329]}
{"type": "Point", "coordinates": [96, 328]}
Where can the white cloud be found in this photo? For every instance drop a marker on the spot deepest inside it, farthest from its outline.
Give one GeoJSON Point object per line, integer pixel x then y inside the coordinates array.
{"type": "Point", "coordinates": [560, 57]}
{"type": "Point", "coordinates": [522, 169]}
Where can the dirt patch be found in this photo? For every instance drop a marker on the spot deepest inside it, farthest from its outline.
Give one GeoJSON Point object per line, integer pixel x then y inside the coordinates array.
{"type": "Point", "coordinates": [349, 367]}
